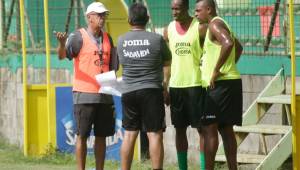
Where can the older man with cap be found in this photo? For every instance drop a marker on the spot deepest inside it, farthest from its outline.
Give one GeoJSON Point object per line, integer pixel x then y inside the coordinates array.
{"type": "Point", "coordinates": [92, 51]}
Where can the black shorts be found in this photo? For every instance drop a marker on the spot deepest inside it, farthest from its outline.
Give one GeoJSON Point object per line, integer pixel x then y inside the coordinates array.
{"type": "Point", "coordinates": [96, 115]}
{"type": "Point", "coordinates": [144, 110]}
{"type": "Point", "coordinates": [186, 106]}
{"type": "Point", "coordinates": [224, 103]}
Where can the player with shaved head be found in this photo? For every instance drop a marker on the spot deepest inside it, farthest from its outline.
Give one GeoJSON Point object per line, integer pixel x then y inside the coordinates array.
{"type": "Point", "coordinates": [223, 98]}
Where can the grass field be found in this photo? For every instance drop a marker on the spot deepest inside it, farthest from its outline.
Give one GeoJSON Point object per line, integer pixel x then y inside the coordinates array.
{"type": "Point", "coordinates": [11, 158]}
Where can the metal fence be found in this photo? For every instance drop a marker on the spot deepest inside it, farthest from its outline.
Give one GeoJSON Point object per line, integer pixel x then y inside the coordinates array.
{"type": "Point", "coordinates": [64, 15]}
{"type": "Point", "coordinates": [9, 26]}
{"type": "Point", "coordinates": [251, 21]}
{"type": "Point", "coordinates": [258, 24]}
{"type": "Point", "coordinates": [261, 25]}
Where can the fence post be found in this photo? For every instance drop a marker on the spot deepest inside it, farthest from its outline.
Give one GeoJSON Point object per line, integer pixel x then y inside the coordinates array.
{"type": "Point", "coordinates": [295, 117]}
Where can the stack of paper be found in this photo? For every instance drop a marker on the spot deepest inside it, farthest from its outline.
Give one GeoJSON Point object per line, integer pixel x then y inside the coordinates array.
{"type": "Point", "coordinates": [109, 83]}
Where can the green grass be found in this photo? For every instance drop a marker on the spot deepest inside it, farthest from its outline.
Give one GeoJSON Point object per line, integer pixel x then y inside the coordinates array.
{"type": "Point", "coordinates": [12, 158]}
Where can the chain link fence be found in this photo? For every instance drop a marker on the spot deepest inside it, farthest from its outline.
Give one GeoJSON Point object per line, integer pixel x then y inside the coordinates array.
{"type": "Point", "coordinates": [10, 35]}
{"type": "Point", "coordinates": [262, 26]}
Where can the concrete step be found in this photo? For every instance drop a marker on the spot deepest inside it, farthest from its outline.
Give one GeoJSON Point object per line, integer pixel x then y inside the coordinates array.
{"type": "Point", "coordinates": [263, 129]}
{"type": "Point", "coordinates": [278, 99]}
{"type": "Point", "coordinates": [243, 158]}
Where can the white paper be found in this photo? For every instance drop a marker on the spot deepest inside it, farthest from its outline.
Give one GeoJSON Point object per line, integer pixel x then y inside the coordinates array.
{"type": "Point", "coordinates": [109, 83]}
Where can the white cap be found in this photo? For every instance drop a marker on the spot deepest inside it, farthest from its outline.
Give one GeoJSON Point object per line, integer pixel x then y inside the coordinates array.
{"type": "Point", "coordinates": [97, 7]}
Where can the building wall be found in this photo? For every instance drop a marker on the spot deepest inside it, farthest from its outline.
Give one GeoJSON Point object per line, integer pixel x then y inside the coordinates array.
{"type": "Point", "coordinates": [11, 100]}
{"type": "Point", "coordinates": [11, 109]}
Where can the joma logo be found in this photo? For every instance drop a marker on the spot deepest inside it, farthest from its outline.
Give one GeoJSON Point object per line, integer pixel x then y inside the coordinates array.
{"type": "Point", "coordinates": [182, 51]}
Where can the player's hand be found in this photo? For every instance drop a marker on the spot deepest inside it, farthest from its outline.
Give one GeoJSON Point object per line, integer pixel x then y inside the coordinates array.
{"type": "Point", "coordinates": [61, 37]}
{"type": "Point", "coordinates": [216, 74]}
{"type": "Point", "coordinates": [166, 98]}
{"type": "Point", "coordinates": [166, 95]}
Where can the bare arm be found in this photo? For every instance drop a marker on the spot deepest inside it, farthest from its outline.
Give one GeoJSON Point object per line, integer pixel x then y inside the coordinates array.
{"type": "Point", "coordinates": [202, 33]}
{"type": "Point", "coordinates": [167, 58]}
{"type": "Point", "coordinates": [167, 72]}
{"type": "Point", "coordinates": [238, 50]}
{"type": "Point", "coordinates": [165, 35]}
{"type": "Point", "coordinates": [167, 75]}
{"type": "Point", "coordinates": [166, 66]}
{"type": "Point", "coordinates": [221, 35]}
{"type": "Point", "coordinates": [61, 49]}
{"type": "Point", "coordinates": [114, 60]}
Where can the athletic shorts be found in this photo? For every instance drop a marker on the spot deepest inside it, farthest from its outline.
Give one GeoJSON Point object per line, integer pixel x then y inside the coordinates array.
{"type": "Point", "coordinates": [98, 116]}
{"type": "Point", "coordinates": [224, 103]}
{"type": "Point", "coordinates": [144, 110]}
{"type": "Point", "coordinates": [186, 106]}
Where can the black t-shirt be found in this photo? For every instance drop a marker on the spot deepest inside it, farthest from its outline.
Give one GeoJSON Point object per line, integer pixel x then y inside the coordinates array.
{"type": "Point", "coordinates": [142, 55]}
